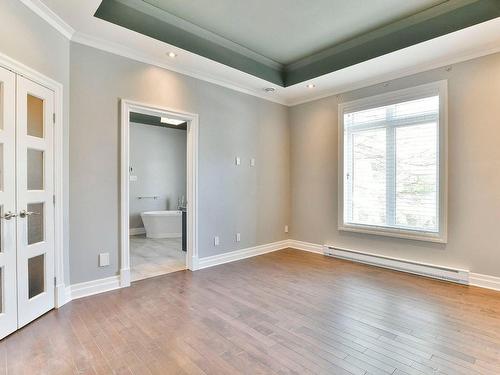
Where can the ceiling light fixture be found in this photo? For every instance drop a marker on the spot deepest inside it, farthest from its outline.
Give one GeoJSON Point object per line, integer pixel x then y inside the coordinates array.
{"type": "Point", "coordinates": [269, 89]}
{"type": "Point", "coordinates": [311, 86]}
{"type": "Point", "coordinates": [171, 121]}
{"type": "Point", "coordinates": [172, 55]}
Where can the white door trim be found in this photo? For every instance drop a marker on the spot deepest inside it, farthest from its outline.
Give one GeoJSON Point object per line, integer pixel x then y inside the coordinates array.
{"type": "Point", "coordinates": [128, 106]}
{"type": "Point", "coordinates": [25, 71]}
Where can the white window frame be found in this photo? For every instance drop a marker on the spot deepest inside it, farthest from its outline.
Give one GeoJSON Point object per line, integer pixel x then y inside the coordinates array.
{"type": "Point", "coordinates": [436, 88]}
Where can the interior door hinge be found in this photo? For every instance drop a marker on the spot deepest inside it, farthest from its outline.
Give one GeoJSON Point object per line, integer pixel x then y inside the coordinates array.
{"type": "Point", "coordinates": [55, 281]}
{"type": "Point", "coordinates": [54, 199]}
{"type": "Point", "coordinates": [54, 118]}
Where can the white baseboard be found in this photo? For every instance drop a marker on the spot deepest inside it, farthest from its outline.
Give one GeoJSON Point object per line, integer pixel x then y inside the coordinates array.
{"type": "Point", "coordinates": [66, 294]}
{"type": "Point", "coordinates": [136, 231]}
{"type": "Point", "coordinates": [306, 246]}
{"type": "Point", "coordinates": [94, 287]}
{"type": "Point", "coordinates": [485, 281]}
{"type": "Point", "coordinates": [233, 256]}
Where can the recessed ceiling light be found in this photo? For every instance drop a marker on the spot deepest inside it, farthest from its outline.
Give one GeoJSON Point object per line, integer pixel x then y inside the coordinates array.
{"type": "Point", "coordinates": [172, 55]}
{"type": "Point", "coordinates": [311, 86]}
{"type": "Point", "coordinates": [270, 89]}
{"type": "Point", "coordinates": [171, 121]}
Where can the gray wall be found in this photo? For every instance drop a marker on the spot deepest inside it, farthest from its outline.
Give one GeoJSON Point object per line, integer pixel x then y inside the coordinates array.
{"type": "Point", "coordinates": [158, 160]}
{"type": "Point", "coordinates": [27, 38]}
{"type": "Point", "coordinates": [474, 165]}
{"type": "Point", "coordinates": [255, 201]}
{"type": "Point", "coordinates": [252, 200]}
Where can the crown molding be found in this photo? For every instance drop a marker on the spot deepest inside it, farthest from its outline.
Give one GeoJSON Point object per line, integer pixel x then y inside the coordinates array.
{"type": "Point", "coordinates": [190, 27]}
{"type": "Point", "coordinates": [439, 63]}
{"type": "Point", "coordinates": [50, 17]}
{"type": "Point", "coordinates": [120, 50]}
{"type": "Point", "coordinates": [43, 11]}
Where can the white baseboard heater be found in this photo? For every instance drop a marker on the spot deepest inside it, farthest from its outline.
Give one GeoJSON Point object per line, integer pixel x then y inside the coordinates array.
{"type": "Point", "coordinates": [423, 269]}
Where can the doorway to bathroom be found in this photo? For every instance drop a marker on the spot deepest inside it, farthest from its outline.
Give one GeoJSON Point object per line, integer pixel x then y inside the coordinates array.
{"type": "Point", "coordinates": [158, 191]}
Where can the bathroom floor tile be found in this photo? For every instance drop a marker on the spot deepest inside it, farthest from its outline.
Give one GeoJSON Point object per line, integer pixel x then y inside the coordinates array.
{"type": "Point", "coordinates": [151, 257]}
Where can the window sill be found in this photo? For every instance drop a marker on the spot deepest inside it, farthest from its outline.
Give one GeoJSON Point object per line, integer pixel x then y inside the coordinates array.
{"type": "Point", "coordinates": [396, 233]}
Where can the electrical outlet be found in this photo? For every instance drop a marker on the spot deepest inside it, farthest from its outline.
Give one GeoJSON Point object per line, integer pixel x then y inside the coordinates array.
{"type": "Point", "coordinates": [237, 161]}
{"type": "Point", "coordinates": [286, 228]}
{"type": "Point", "coordinates": [103, 259]}
{"type": "Point", "coordinates": [216, 241]}
{"type": "Point", "coordinates": [252, 162]}
{"type": "Point", "coordinates": [238, 237]}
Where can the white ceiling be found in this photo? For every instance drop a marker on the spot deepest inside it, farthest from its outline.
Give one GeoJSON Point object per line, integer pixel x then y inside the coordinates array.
{"type": "Point", "coordinates": [465, 44]}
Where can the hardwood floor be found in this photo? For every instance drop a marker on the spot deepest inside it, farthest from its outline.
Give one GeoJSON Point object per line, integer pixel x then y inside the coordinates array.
{"type": "Point", "coordinates": [287, 312]}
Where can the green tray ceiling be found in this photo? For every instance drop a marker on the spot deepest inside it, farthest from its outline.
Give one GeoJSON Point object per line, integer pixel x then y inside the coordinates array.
{"type": "Point", "coordinates": [441, 19]}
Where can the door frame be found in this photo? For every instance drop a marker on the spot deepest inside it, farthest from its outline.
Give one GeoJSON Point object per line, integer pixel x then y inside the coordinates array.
{"type": "Point", "coordinates": [128, 106]}
{"type": "Point", "coordinates": [59, 273]}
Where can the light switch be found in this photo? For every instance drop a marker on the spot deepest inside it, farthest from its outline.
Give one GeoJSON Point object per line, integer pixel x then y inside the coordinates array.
{"type": "Point", "coordinates": [252, 162]}
{"type": "Point", "coordinates": [216, 241]}
{"type": "Point", "coordinates": [133, 178]}
{"type": "Point", "coordinates": [286, 228]}
{"type": "Point", "coordinates": [238, 237]}
{"type": "Point", "coordinates": [237, 160]}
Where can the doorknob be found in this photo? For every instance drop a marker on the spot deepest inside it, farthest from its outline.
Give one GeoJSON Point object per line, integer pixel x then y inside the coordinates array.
{"type": "Point", "coordinates": [25, 213]}
{"type": "Point", "coordinates": [8, 215]}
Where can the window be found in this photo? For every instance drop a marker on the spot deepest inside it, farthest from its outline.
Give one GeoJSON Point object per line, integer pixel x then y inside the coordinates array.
{"type": "Point", "coordinates": [393, 164]}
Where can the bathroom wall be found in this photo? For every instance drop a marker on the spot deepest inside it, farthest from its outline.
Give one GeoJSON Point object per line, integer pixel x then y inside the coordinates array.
{"type": "Point", "coordinates": [158, 162]}
{"type": "Point", "coordinates": [254, 201]}
{"type": "Point", "coordinates": [27, 38]}
{"type": "Point", "coordinates": [473, 159]}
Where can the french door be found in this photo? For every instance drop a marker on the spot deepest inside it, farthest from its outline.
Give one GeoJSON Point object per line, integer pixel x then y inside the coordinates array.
{"type": "Point", "coordinates": [26, 201]}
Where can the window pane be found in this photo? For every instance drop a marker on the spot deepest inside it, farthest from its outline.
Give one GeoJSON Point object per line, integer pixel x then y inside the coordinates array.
{"type": "Point", "coordinates": [1, 167]}
{"type": "Point", "coordinates": [1, 290]}
{"type": "Point", "coordinates": [417, 108]}
{"type": "Point", "coordinates": [36, 275]}
{"type": "Point", "coordinates": [417, 177]}
{"type": "Point", "coordinates": [366, 116]}
{"type": "Point", "coordinates": [35, 223]}
{"type": "Point", "coordinates": [35, 116]}
{"type": "Point", "coordinates": [1, 229]}
{"type": "Point", "coordinates": [35, 169]}
{"type": "Point", "coordinates": [1, 105]}
{"type": "Point", "coordinates": [391, 164]}
{"type": "Point", "coordinates": [369, 177]}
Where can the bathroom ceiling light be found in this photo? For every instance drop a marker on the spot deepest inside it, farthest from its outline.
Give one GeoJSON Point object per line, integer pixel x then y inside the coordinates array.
{"type": "Point", "coordinates": [171, 121]}
{"type": "Point", "coordinates": [172, 55]}
{"type": "Point", "coordinates": [311, 86]}
{"type": "Point", "coordinates": [270, 89]}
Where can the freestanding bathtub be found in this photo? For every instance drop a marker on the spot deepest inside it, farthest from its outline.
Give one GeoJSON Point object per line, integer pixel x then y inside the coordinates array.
{"type": "Point", "coordinates": [162, 224]}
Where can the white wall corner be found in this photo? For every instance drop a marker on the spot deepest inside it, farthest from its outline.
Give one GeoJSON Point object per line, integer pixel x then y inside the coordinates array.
{"type": "Point", "coordinates": [50, 17]}
{"type": "Point", "coordinates": [484, 281]}
{"type": "Point", "coordinates": [194, 264]}
{"type": "Point", "coordinates": [306, 246]}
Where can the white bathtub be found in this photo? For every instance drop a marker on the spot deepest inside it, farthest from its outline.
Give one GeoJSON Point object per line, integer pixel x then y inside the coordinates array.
{"type": "Point", "coordinates": [162, 224]}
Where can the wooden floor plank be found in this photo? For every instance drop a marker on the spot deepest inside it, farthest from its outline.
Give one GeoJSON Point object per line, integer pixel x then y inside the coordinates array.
{"type": "Point", "coordinates": [286, 312]}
